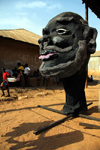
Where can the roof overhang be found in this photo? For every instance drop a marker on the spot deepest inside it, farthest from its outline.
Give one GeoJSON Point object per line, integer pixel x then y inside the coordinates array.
{"type": "Point", "coordinates": [94, 5]}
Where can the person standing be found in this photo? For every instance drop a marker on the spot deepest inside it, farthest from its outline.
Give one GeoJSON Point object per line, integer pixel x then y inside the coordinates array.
{"type": "Point", "coordinates": [26, 74]}
{"type": "Point", "coordinates": [21, 69]}
{"type": "Point", "coordinates": [5, 85]}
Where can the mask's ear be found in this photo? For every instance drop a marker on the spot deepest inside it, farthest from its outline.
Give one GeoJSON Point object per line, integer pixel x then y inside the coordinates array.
{"type": "Point", "coordinates": [90, 35]}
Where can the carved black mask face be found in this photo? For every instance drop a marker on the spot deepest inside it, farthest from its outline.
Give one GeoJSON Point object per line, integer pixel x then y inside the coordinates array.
{"type": "Point", "coordinates": [66, 43]}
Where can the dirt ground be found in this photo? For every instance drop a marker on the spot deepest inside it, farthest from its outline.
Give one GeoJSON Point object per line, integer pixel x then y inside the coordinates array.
{"type": "Point", "coordinates": [20, 117]}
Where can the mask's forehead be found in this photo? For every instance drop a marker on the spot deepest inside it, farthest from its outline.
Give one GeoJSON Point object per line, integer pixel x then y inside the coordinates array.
{"type": "Point", "coordinates": [52, 25]}
{"type": "Point", "coordinates": [64, 19]}
{"type": "Point", "coordinates": [58, 22]}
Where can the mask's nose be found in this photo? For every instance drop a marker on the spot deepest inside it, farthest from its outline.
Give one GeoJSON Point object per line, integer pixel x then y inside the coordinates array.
{"type": "Point", "coordinates": [42, 40]}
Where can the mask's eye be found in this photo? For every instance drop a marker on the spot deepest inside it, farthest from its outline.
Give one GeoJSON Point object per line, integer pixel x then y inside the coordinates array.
{"type": "Point", "coordinates": [61, 31]}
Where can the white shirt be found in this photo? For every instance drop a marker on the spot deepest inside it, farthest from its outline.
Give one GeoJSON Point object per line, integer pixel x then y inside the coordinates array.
{"type": "Point", "coordinates": [26, 70]}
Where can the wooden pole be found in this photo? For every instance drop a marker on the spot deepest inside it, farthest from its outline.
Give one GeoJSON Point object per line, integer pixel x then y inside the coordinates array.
{"type": "Point", "coordinates": [86, 10]}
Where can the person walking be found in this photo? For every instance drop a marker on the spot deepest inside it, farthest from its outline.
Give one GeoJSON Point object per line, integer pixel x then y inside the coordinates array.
{"type": "Point", "coordinates": [5, 85]}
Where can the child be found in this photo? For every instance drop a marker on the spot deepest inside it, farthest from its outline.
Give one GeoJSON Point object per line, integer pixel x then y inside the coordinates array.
{"type": "Point", "coordinates": [18, 78]}
{"type": "Point", "coordinates": [5, 84]}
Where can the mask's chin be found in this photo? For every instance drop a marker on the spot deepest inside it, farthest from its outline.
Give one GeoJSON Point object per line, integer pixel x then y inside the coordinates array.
{"type": "Point", "coordinates": [63, 70]}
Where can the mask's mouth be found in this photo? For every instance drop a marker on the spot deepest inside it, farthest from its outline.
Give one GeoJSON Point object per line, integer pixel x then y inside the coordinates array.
{"type": "Point", "coordinates": [52, 52]}
{"type": "Point", "coordinates": [48, 56]}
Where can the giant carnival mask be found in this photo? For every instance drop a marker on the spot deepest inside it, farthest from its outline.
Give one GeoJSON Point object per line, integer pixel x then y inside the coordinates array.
{"type": "Point", "coordinates": [65, 47]}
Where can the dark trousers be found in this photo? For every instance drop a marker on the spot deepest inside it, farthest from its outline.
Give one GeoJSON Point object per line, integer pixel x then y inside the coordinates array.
{"type": "Point", "coordinates": [26, 79]}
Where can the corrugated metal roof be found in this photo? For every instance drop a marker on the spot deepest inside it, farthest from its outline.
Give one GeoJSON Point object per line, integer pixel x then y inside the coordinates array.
{"type": "Point", "coordinates": [21, 35]}
{"type": "Point", "coordinates": [96, 54]}
{"type": "Point", "coordinates": [94, 5]}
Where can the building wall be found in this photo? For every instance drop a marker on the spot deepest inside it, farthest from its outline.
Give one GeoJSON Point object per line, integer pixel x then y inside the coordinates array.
{"type": "Point", "coordinates": [12, 51]}
{"type": "Point", "coordinates": [94, 66]}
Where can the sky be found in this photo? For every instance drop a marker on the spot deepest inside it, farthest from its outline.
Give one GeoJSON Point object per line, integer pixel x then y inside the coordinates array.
{"type": "Point", "coordinates": [33, 15]}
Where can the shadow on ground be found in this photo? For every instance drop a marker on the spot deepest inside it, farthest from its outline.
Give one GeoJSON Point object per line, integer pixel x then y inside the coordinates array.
{"type": "Point", "coordinates": [43, 143]}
